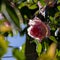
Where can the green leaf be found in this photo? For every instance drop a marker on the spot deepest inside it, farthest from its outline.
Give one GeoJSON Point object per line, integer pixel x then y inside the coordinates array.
{"type": "Point", "coordinates": [13, 16]}
{"type": "Point", "coordinates": [58, 1]}
{"type": "Point", "coordinates": [35, 1]}
{"type": "Point", "coordinates": [3, 46]}
{"type": "Point", "coordinates": [7, 42]}
{"type": "Point", "coordinates": [22, 52]}
{"type": "Point", "coordinates": [42, 2]}
{"type": "Point", "coordinates": [57, 14]}
{"type": "Point", "coordinates": [10, 34]}
{"type": "Point", "coordinates": [21, 5]}
{"type": "Point", "coordinates": [58, 8]}
{"type": "Point", "coordinates": [16, 53]}
{"type": "Point", "coordinates": [59, 53]}
{"type": "Point", "coordinates": [39, 48]}
{"type": "Point", "coordinates": [34, 6]}
{"type": "Point", "coordinates": [51, 18]}
{"type": "Point", "coordinates": [19, 54]}
{"type": "Point", "coordinates": [53, 39]}
{"type": "Point", "coordinates": [30, 1]}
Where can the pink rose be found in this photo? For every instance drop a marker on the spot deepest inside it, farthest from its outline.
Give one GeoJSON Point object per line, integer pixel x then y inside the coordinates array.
{"type": "Point", "coordinates": [38, 30]}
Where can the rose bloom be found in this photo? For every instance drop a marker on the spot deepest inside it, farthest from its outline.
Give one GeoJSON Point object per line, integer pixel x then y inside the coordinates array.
{"type": "Point", "coordinates": [37, 29]}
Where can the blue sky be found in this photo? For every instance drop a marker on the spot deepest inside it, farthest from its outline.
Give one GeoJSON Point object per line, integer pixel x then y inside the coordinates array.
{"type": "Point", "coordinates": [15, 41]}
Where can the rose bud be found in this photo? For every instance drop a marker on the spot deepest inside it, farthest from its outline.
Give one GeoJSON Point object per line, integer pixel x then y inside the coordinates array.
{"type": "Point", "coordinates": [38, 29]}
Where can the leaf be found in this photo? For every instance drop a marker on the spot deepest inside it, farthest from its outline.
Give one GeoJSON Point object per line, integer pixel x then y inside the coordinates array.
{"type": "Point", "coordinates": [57, 14]}
{"type": "Point", "coordinates": [49, 54]}
{"type": "Point", "coordinates": [59, 53]}
{"type": "Point", "coordinates": [7, 42]}
{"type": "Point", "coordinates": [21, 5]}
{"type": "Point", "coordinates": [22, 52]}
{"type": "Point", "coordinates": [35, 1]}
{"type": "Point", "coordinates": [15, 52]}
{"type": "Point", "coordinates": [34, 6]}
{"type": "Point", "coordinates": [58, 8]}
{"type": "Point", "coordinates": [58, 1]}
{"type": "Point", "coordinates": [53, 39]}
{"type": "Point", "coordinates": [10, 34]}
{"type": "Point", "coordinates": [19, 54]}
{"type": "Point", "coordinates": [30, 1]}
{"type": "Point", "coordinates": [42, 2]}
{"type": "Point", "coordinates": [39, 48]}
{"type": "Point", "coordinates": [3, 46]}
{"type": "Point", "coordinates": [13, 16]}
{"type": "Point", "coordinates": [51, 18]}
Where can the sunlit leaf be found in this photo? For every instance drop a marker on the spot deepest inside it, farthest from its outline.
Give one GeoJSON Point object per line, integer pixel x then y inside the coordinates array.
{"type": "Point", "coordinates": [58, 1]}
{"type": "Point", "coordinates": [21, 5]}
{"type": "Point", "coordinates": [22, 52]}
{"type": "Point", "coordinates": [39, 48]}
{"type": "Point", "coordinates": [57, 14]}
{"type": "Point", "coordinates": [30, 1]}
{"type": "Point", "coordinates": [7, 42]}
{"type": "Point", "coordinates": [34, 6]}
{"type": "Point", "coordinates": [3, 46]}
{"type": "Point", "coordinates": [16, 53]}
{"type": "Point", "coordinates": [42, 2]}
{"type": "Point", "coordinates": [35, 1]}
{"type": "Point", "coordinates": [50, 54]}
{"type": "Point", "coordinates": [53, 39]}
{"type": "Point", "coordinates": [58, 52]}
{"type": "Point", "coordinates": [19, 53]}
{"type": "Point", "coordinates": [58, 8]}
{"type": "Point", "coordinates": [51, 18]}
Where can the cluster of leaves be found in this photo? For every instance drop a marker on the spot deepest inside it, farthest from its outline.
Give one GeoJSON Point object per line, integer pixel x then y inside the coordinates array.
{"type": "Point", "coordinates": [18, 12]}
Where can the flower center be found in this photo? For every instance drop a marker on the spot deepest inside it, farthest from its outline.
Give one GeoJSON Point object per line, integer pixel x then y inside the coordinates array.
{"type": "Point", "coordinates": [38, 30]}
